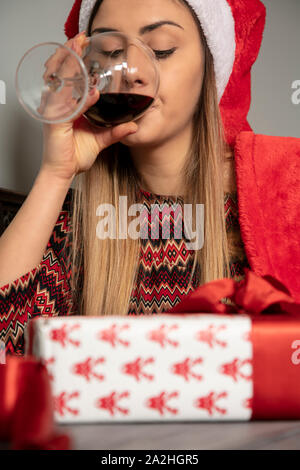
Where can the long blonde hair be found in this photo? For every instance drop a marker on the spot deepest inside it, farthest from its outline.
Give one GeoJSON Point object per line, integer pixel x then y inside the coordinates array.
{"type": "Point", "coordinates": [108, 267]}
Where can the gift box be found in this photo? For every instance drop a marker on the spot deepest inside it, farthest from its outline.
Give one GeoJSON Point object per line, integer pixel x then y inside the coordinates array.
{"type": "Point", "coordinates": [184, 364]}
{"type": "Point", "coordinates": [150, 368]}
{"type": "Point", "coordinates": [163, 368]}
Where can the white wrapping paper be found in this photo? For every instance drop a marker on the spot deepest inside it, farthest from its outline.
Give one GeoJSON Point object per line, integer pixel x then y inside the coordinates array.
{"type": "Point", "coordinates": [194, 367]}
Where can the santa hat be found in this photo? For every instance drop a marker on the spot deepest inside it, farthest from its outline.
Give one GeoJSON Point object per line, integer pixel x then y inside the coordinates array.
{"type": "Point", "coordinates": [233, 31]}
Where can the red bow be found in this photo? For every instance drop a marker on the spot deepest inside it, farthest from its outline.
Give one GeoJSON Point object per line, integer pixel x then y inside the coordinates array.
{"type": "Point", "coordinates": [254, 295]}
{"type": "Point", "coordinates": [26, 406]}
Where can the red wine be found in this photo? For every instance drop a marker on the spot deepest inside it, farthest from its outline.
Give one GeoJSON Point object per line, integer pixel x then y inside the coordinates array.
{"type": "Point", "coordinates": [115, 108]}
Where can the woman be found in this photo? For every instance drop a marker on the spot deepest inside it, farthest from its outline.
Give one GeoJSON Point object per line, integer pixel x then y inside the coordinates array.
{"type": "Point", "coordinates": [181, 150]}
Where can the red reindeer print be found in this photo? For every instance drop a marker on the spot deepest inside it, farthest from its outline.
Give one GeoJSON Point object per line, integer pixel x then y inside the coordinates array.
{"type": "Point", "coordinates": [184, 368]}
{"type": "Point", "coordinates": [209, 336]}
{"type": "Point", "coordinates": [61, 335]}
{"type": "Point", "coordinates": [110, 404]}
{"type": "Point", "coordinates": [233, 369]}
{"type": "Point", "coordinates": [160, 335]}
{"type": "Point", "coordinates": [60, 403]}
{"type": "Point", "coordinates": [159, 402]}
{"type": "Point", "coordinates": [209, 403]}
{"type": "Point", "coordinates": [135, 368]}
{"type": "Point", "coordinates": [85, 368]}
{"type": "Point", "coordinates": [247, 336]}
{"type": "Point", "coordinates": [111, 335]}
{"type": "Point", "coordinates": [248, 403]}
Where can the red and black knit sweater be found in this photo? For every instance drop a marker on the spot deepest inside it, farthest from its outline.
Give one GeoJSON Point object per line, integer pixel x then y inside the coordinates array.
{"type": "Point", "coordinates": [162, 281]}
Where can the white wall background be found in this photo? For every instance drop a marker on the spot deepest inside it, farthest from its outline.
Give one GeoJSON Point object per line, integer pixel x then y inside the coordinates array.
{"type": "Point", "coordinates": [28, 22]}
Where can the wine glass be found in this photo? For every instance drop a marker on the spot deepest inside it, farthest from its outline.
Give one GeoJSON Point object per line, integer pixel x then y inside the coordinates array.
{"type": "Point", "coordinates": [53, 81]}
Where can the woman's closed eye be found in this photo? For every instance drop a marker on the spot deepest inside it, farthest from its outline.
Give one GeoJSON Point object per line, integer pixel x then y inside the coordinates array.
{"type": "Point", "coordinates": [159, 54]}
{"type": "Point", "coordinates": [164, 54]}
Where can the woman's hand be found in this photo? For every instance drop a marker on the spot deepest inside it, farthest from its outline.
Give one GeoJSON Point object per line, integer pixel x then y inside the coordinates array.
{"type": "Point", "coordinates": [72, 147]}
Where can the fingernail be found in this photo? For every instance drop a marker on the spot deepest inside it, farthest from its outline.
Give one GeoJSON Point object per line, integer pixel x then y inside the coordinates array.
{"type": "Point", "coordinates": [79, 35]}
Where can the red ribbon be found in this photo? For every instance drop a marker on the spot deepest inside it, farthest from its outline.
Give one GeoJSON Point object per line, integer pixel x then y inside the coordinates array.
{"type": "Point", "coordinates": [26, 406]}
{"type": "Point", "coordinates": [254, 295]}
{"type": "Point", "coordinates": [276, 367]}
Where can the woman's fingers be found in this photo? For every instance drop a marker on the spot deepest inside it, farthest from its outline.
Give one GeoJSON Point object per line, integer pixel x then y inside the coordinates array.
{"type": "Point", "coordinates": [56, 60]}
{"type": "Point", "coordinates": [58, 102]}
{"type": "Point", "coordinates": [91, 99]}
{"type": "Point", "coordinates": [107, 136]}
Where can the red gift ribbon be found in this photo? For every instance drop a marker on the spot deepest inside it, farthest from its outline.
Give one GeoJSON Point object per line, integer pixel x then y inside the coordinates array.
{"type": "Point", "coordinates": [254, 295]}
{"type": "Point", "coordinates": [26, 406]}
{"type": "Point", "coordinates": [276, 376]}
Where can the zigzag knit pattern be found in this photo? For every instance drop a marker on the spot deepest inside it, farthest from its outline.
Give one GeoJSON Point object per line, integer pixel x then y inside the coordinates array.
{"type": "Point", "coordinates": [166, 263]}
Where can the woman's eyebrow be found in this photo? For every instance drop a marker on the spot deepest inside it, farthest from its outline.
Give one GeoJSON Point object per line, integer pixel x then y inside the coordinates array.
{"type": "Point", "coordinates": [143, 30]}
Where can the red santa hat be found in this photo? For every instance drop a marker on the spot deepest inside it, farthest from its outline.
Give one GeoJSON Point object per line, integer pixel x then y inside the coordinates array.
{"type": "Point", "coordinates": [233, 31]}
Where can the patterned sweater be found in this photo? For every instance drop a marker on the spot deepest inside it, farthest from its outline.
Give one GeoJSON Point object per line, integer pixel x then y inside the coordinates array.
{"type": "Point", "coordinates": [162, 281]}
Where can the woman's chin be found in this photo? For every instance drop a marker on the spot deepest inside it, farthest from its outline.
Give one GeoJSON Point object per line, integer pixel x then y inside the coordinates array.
{"type": "Point", "coordinates": [145, 133]}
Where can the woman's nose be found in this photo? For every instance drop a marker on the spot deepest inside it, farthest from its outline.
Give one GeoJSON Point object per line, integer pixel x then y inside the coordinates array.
{"type": "Point", "coordinates": [135, 71]}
